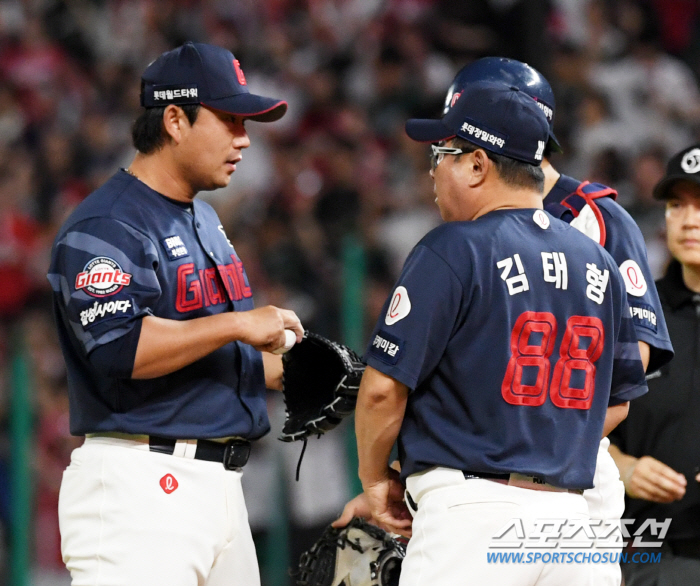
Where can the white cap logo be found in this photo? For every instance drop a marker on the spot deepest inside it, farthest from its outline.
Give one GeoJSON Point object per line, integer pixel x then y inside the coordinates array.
{"type": "Point", "coordinates": [541, 219]}
{"type": "Point", "coordinates": [399, 307]}
{"type": "Point", "coordinates": [634, 278]}
{"type": "Point", "coordinates": [691, 161]}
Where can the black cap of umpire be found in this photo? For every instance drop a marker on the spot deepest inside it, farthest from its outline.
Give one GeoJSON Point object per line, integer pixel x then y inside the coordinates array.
{"type": "Point", "coordinates": [684, 165]}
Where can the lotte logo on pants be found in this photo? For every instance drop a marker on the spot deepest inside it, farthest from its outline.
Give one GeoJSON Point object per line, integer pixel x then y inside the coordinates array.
{"type": "Point", "coordinates": [168, 483]}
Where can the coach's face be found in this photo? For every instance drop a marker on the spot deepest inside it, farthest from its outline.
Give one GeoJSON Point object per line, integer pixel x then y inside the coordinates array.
{"type": "Point", "coordinates": [454, 180]}
{"type": "Point", "coordinates": [210, 148]}
{"type": "Point", "coordinates": [683, 222]}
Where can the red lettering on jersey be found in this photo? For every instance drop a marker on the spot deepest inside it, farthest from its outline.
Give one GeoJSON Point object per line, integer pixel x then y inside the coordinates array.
{"type": "Point", "coordinates": [230, 280]}
{"type": "Point", "coordinates": [81, 280]}
{"type": "Point", "coordinates": [182, 303]}
{"type": "Point", "coordinates": [168, 483]}
{"type": "Point", "coordinates": [245, 289]}
{"type": "Point", "coordinates": [573, 357]}
{"type": "Point", "coordinates": [524, 354]}
{"type": "Point", "coordinates": [213, 286]}
{"type": "Point", "coordinates": [207, 302]}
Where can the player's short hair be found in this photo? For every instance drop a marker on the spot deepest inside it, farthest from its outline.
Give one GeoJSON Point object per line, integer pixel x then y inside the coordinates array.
{"type": "Point", "coordinates": [148, 132]}
{"type": "Point", "coordinates": [511, 171]}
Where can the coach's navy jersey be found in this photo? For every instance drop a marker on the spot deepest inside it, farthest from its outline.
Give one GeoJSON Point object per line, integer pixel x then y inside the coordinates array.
{"type": "Point", "coordinates": [514, 335]}
{"type": "Point", "coordinates": [127, 252]}
{"type": "Point", "coordinates": [625, 243]}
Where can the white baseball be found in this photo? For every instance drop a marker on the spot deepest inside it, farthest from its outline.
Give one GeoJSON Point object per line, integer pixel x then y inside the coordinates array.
{"type": "Point", "coordinates": [290, 338]}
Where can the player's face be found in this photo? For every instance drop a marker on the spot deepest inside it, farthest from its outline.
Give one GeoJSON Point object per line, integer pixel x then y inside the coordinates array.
{"type": "Point", "coordinates": [683, 222]}
{"type": "Point", "coordinates": [211, 148]}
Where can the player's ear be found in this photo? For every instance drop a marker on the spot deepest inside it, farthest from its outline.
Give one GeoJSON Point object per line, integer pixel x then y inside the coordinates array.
{"type": "Point", "coordinates": [174, 122]}
{"type": "Point", "coordinates": [480, 164]}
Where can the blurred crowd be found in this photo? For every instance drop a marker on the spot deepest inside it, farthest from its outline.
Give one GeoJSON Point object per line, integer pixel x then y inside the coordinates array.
{"type": "Point", "coordinates": [336, 171]}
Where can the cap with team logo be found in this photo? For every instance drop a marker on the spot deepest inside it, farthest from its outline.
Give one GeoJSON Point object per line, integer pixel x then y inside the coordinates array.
{"type": "Point", "coordinates": [684, 165]}
{"type": "Point", "coordinates": [196, 73]}
{"type": "Point", "coordinates": [494, 116]}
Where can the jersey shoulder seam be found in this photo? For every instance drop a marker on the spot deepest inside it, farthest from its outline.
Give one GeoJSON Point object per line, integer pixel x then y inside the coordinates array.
{"type": "Point", "coordinates": [449, 266]}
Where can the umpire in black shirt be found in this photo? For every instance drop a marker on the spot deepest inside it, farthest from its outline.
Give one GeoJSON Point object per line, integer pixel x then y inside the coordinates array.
{"type": "Point", "coordinates": [657, 448]}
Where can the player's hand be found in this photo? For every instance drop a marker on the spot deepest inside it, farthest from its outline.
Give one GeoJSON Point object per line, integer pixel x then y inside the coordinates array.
{"type": "Point", "coordinates": [263, 328]}
{"type": "Point", "coordinates": [389, 511]}
{"type": "Point", "coordinates": [652, 480]}
{"type": "Point", "coordinates": [357, 507]}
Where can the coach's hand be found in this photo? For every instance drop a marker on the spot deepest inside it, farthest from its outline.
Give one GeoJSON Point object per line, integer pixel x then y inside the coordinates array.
{"type": "Point", "coordinates": [263, 328]}
{"type": "Point", "coordinates": [649, 479]}
{"type": "Point", "coordinates": [357, 507]}
{"type": "Point", "coordinates": [386, 504]}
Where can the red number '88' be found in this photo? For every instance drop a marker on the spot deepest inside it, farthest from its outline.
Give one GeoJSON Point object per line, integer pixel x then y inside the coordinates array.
{"type": "Point", "coordinates": [571, 357]}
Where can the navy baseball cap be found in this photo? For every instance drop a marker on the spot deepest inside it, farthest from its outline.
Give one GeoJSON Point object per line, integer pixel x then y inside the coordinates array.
{"type": "Point", "coordinates": [683, 165]}
{"type": "Point", "coordinates": [521, 75]}
{"type": "Point", "coordinates": [196, 73]}
{"type": "Point", "coordinates": [494, 116]}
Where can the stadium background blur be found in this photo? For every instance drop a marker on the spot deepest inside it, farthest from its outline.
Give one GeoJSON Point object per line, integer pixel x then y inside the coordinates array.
{"type": "Point", "coordinates": [324, 206]}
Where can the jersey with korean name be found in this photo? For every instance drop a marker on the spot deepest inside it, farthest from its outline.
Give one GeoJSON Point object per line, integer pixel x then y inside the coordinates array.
{"type": "Point", "coordinates": [514, 335]}
{"type": "Point", "coordinates": [622, 238]}
{"type": "Point", "coordinates": [127, 252]}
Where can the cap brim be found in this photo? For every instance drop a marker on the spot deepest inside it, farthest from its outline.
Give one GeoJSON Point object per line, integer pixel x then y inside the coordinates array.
{"type": "Point", "coordinates": [662, 187]}
{"type": "Point", "coordinates": [554, 143]}
{"type": "Point", "coordinates": [251, 106]}
{"type": "Point", "coordinates": [428, 130]}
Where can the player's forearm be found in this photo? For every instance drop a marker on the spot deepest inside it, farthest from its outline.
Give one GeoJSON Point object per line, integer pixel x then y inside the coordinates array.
{"type": "Point", "coordinates": [614, 416]}
{"type": "Point", "coordinates": [381, 404]}
{"type": "Point", "coordinates": [273, 371]}
{"type": "Point", "coordinates": [167, 345]}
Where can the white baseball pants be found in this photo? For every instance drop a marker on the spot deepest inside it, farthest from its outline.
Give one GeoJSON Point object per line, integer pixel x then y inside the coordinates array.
{"type": "Point", "coordinates": [133, 517]}
{"type": "Point", "coordinates": [456, 520]}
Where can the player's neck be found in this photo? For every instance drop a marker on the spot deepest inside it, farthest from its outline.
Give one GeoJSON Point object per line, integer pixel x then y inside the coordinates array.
{"type": "Point", "coordinates": [691, 277]}
{"type": "Point", "coordinates": [160, 174]}
{"type": "Point", "coordinates": [551, 176]}
{"type": "Point", "coordinates": [499, 197]}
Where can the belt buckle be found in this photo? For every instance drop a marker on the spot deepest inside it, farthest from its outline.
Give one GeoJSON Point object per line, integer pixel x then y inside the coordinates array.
{"type": "Point", "coordinates": [236, 454]}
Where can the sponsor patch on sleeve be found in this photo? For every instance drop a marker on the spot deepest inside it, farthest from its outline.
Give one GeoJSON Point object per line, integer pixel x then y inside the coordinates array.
{"type": "Point", "coordinates": [386, 347]}
{"type": "Point", "coordinates": [399, 307]}
{"type": "Point", "coordinates": [643, 315]}
{"type": "Point", "coordinates": [101, 311]}
{"type": "Point", "coordinates": [632, 275]}
{"type": "Point", "coordinates": [174, 247]}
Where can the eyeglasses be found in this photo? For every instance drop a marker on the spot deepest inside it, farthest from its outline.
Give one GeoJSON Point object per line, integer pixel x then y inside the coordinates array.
{"type": "Point", "coordinates": [439, 152]}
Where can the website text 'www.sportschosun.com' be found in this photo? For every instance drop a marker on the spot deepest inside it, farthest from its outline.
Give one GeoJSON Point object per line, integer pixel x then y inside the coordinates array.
{"type": "Point", "coordinates": [570, 557]}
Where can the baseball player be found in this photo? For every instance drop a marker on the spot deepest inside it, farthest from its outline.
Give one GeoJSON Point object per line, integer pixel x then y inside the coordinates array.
{"type": "Point", "coordinates": [592, 209]}
{"type": "Point", "coordinates": [163, 345]}
{"type": "Point", "coordinates": [507, 340]}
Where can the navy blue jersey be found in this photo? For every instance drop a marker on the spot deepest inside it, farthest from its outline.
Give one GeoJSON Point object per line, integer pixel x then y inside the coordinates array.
{"type": "Point", "coordinates": [127, 252]}
{"type": "Point", "coordinates": [514, 335]}
{"type": "Point", "coordinates": [609, 223]}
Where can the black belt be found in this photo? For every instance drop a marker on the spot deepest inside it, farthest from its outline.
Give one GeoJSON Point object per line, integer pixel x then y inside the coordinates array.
{"type": "Point", "coordinates": [233, 454]}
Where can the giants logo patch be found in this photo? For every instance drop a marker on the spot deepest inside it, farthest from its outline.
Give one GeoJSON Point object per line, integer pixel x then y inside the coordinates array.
{"type": "Point", "coordinates": [101, 277]}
